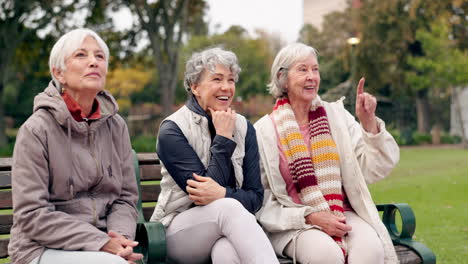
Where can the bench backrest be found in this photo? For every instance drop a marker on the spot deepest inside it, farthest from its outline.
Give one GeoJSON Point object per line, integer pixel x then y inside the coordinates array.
{"type": "Point", "coordinates": [150, 175]}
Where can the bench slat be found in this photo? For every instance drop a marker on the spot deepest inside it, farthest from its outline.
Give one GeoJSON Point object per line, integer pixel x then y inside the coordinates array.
{"type": "Point", "coordinates": [5, 179]}
{"type": "Point", "coordinates": [6, 221]}
{"type": "Point", "coordinates": [4, 247]}
{"type": "Point", "coordinates": [406, 255]}
{"type": "Point", "coordinates": [150, 172]}
{"type": "Point", "coordinates": [147, 158]}
{"type": "Point", "coordinates": [5, 164]}
{"type": "Point", "coordinates": [150, 193]}
{"type": "Point", "coordinates": [5, 200]}
{"type": "Point", "coordinates": [147, 212]}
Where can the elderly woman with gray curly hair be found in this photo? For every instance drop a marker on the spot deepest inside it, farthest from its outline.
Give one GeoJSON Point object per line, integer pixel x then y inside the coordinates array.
{"type": "Point", "coordinates": [210, 165]}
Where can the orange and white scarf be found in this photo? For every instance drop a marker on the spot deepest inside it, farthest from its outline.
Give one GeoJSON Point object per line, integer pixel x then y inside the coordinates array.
{"type": "Point", "coordinates": [316, 174]}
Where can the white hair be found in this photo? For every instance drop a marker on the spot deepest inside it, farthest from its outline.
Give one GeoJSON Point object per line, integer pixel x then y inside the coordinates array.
{"type": "Point", "coordinates": [67, 44]}
{"type": "Point", "coordinates": [287, 57]}
{"type": "Point", "coordinates": [208, 59]}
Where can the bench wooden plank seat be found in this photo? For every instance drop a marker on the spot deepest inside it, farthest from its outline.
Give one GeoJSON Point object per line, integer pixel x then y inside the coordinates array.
{"type": "Point", "coordinates": [151, 236]}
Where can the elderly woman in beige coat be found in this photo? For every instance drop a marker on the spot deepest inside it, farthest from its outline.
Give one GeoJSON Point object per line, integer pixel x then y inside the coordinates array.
{"type": "Point", "coordinates": [316, 162]}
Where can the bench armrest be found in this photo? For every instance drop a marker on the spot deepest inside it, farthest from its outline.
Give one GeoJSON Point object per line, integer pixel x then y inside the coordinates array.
{"type": "Point", "coordinates": [404, 237]}
{"type": "Point", "coordinates": [151, 238]}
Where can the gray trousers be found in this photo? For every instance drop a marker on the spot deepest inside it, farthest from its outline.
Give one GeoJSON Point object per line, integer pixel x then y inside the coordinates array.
{"type": "Point", "coordinates": [223, 231]}
{"type": "Point", "coordinates": [316, 247]}
{"type": "Point", "coordinates": [53, 256]}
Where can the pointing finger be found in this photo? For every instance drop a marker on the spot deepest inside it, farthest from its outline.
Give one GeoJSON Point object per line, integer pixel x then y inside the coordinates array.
{"type": "Point", "coordinates": [360, 88]}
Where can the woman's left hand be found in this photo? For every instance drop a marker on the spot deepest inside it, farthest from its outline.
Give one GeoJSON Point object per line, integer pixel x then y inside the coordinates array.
{"type": "Point", "coordinates": [365, 108]}
{"type": "Point", "coordinates": [204, 190]}
{"type": "Point", "coordinates": [126, 247]}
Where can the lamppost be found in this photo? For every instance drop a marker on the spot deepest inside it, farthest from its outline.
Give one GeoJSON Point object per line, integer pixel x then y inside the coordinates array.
{"type": "Point", "coordinates": [353, 42]}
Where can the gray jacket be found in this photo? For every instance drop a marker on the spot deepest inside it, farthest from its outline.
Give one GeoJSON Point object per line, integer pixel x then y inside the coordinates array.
{"type": "Point", "coordinates": [71, 181]}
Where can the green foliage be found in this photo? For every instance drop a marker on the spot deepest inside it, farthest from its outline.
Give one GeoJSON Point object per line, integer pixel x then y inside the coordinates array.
{"type": "Point", "coordinates": [433, 182]}
{"type": "Point", "coordinates": [449, 139]}
{"type": "Point", "coordinates": [333, 50]}
{"type": "Point", "coordinates": [254, 55]}
{"type": "Point", "coordinates": [144, 143]}
{"type": "Point", "coordinates": [7, 150]}
{"type": "Point", "coordinates": [442, 66]}
{"type": "Point", "coordinates": [421, 138]}
{"type": "Point", "coordinates": [407, 137]}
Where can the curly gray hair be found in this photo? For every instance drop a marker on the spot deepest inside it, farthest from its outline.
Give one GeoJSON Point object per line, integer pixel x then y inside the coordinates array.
{"type": "Point", "coordinates": [207, 60]}
{"type": "Point", "coordinates": [287, 57]}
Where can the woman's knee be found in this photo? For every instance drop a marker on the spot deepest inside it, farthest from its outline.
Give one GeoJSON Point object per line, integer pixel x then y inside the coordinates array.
{"type": "Point", "coordinates": [230, 207]}
{"type": "Point", "coordinates": [321, 254]}
{"type": "Point", "coordinates": [224, 252]}
{"type": "Point", "coordinates": [91, 257]}
{"type": "Point", "coordinates": [367, 252]}
{"type": "Point", "coordinates": [316, 247]}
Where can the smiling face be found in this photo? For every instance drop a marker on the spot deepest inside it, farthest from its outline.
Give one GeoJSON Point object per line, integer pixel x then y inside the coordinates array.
{"type": "Point", "coordinates": [216, 89]}
{"type": "Point", "coordinates": [303, 80]}
{"type": "Point", "coordinates": [86, 69]}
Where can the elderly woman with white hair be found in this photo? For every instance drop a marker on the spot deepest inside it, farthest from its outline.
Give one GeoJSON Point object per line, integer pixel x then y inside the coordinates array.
{"type": "Point", "coordinates": [211, 179]}
{"type": "Point", "coordinates": [316, 162]}
{"type": "Point", "coordinates": [73, 184]}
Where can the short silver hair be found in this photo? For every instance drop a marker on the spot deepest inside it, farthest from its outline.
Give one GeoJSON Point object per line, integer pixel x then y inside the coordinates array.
{"type": "Point", "coordinates": [284, 60]}
{"type": "Point", "coordinates": [67, 44]}
{"type": "Point", "coordinates": [207, 60]}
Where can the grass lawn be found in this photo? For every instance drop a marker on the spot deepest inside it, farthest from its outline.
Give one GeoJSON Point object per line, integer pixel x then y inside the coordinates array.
{"type": "Point", "coordinates": [434, 182]}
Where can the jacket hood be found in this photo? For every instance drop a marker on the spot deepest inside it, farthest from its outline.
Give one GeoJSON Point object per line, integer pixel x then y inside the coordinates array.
{"type": "Point", "coordinates": [51, 100]}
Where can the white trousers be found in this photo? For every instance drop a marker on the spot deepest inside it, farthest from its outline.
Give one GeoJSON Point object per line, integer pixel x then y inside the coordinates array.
{"type": "Point", "coordinates": [223, 231]}
{"type": "Point", "coordinates": [316, 247]}
{"type": "Point", "coordinates": [53, 256]}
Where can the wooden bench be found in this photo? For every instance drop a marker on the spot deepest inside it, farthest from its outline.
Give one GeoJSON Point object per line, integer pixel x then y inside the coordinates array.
{"type": "Point", "coordinates": [151, 235]}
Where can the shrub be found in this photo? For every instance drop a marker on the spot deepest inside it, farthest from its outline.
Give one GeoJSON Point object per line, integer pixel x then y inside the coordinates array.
{"type": "Point", "coordinates": [449, 139]}
{"type": "Point", "coordinates": [144, 143]}
{"type": "Point", "coordinates": [421, 138]}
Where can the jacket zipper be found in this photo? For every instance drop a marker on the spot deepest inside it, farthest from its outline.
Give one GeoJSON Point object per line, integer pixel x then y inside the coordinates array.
{"type": "Point", "coordinates": [98, 174]}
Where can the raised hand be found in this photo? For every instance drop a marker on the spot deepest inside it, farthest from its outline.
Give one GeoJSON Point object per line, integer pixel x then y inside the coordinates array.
{"type": "Point", "coordinates": [204, 190]}
{"type": "Point", "coordinates": [224, 121]}
{"type": "Point", "coordinates": [330, 223]}
{"type": "Point", "coordinates": [365, 108]}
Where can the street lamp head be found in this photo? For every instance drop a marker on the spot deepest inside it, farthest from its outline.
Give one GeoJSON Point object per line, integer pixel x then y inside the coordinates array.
{"type": "Point", "coordinates": [353, 41]}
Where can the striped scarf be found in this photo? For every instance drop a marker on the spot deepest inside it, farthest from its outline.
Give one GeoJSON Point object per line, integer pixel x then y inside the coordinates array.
{"type": "Point", "coordinates": [315, 174]}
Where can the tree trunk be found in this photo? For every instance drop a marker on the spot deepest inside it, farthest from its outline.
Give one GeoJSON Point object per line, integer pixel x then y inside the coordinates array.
{"type": "Point", "coordinates": [3, 138]}
{"type": "Point", "coordinates": [459, 115]}
{"type": "Point", "coordinates": [423, 111]}
{"type": "Point", "coordinates": [167, 87]}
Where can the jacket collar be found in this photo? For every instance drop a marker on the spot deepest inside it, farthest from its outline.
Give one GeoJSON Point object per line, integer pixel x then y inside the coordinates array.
{"type": "Point", "coordinates": [52, 101]}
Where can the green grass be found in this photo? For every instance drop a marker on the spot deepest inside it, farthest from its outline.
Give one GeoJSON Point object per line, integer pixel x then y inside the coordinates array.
{"type": "Point", "coordinates": [434, 182]}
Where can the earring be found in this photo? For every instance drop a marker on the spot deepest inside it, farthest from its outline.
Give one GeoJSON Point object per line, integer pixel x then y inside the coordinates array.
{"type": "Point", "coordinates": [63, 90]}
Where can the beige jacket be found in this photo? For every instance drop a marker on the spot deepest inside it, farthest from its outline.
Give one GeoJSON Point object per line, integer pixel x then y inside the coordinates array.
{"type": "Point", "coordinates": [71, 182]}
{"type": "Point", "coordinates": [364, 159]}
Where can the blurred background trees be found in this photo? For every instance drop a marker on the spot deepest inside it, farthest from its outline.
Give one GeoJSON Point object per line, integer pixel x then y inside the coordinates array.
{"type": "Point", "coordinates": [413, 54]}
